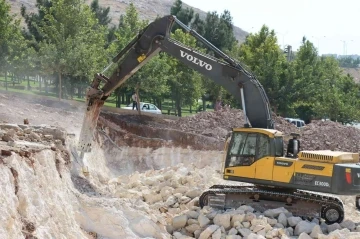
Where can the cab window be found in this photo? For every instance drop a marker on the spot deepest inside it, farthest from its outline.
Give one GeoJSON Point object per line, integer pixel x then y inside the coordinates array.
{"type": "Point", "coordinates": [246, 148]}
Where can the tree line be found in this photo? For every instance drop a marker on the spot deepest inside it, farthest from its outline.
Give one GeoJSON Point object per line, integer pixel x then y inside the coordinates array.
{"type": "Point", "coordinates": [68, 41]}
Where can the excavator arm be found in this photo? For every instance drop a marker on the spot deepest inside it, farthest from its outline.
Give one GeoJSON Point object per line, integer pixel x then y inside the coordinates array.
{"type": "Point", "coordinates": [155, 38]}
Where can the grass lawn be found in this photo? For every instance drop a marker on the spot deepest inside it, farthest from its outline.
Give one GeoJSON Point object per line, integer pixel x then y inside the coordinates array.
{"type": "Point", "coordinates": [166, 104]}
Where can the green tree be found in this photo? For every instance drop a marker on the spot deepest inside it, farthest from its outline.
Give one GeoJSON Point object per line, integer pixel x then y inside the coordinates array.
{"type": "Point", "coordinates": [307, 81]}
{"type": "Point", "coordinates": [14, 53]}
{"type": "Point", "coordinates": [101, 13]}
{"type": "Point", "coordinates": [70, 29]}
{"type": "Point", "coordinates": [185, 15]}
{"type": "Point", "coordinates": [34, 20]}
{"type": "Point", "coordinates": [263, 56]}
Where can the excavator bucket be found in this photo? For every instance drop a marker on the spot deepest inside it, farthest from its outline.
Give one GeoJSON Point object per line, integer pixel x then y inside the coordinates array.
{"type": "Point", "coordinates": [87, 131]}
{"type": "Point", "coordinates": [89, 124]}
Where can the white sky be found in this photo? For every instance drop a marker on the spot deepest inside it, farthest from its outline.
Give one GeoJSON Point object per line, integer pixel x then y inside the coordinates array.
{"type": "Point", "coordinates": [328, 24]}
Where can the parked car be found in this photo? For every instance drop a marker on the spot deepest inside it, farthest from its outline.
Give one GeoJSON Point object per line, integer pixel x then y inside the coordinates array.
{"type": "Point", "coordinates": [146, 107]}
{"type": "Point", "coordinates": [297, 122]}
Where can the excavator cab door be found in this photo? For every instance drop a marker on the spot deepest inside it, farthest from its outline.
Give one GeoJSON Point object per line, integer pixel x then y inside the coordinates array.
{"type": "Point", "coordinates": [242, 155]}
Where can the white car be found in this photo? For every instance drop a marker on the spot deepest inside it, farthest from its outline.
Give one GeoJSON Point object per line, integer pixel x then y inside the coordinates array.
{"type": "Point", "coordinates": [146, 107]}
{"type": "Point", "coordinates": [297, 122]}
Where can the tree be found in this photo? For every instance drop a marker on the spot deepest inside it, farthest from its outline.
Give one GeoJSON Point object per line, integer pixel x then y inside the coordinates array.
{"type": "Point", "coordinates": [14, 53]}
{"type": "Point", "coordinates": [185, 15]}
{"type": "Point", "coordinates": [307, 82]}
{"type": "Point", "coordinates": [101, 13]}
{"type": "Point", "coordinates": [70, 29]}
{"type": "Point", "coordinates": [261, 53]}
{"type": "Point", "coordinates": [34, 20]}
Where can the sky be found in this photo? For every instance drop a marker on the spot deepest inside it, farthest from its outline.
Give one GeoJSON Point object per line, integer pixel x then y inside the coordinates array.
{"type": "Point", "coordinates": [333, 25]}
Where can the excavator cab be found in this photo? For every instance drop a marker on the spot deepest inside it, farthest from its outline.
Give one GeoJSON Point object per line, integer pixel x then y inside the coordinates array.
{"type": "Point", "coordinates": [246, 147]}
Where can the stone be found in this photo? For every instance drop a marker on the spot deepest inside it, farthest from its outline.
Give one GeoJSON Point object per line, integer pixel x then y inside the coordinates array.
{"type": "Point", "coordinates": [48, 137]}
{"type": "Point", "coordinates": [152, 198]}
{"type": "Point", "coordinates": [7, 138]}
{"type": "Point", "coordinates": [233, 237]}
{"type": "Point", "coordinates": [166, 192]}
{"type": "Point", "coordinates": [289, 231]}
{"type": "Point", "coordinates": [244, 232]}
{"type": "Point", "coordinates": [216, 234]}
{"type": "Point", "coordinates": [192, 228]}
{"type": "Point", "coordinates": [333, 227]}
{"type": "Point", "coordinates": [293, 221]}
{"type": "Point", "coordinates": [208, 231]}
{"type": "Point", "coordinates": [272, 221]}
{"type": "Point", "coordinates": [34, 136]}
{"type": "Point", "coordinates": [246, 208]}
{"type": "Point", "coordinates": [222, 220]}
{"type": "Point", "coordinates": [211, 215]}
{"type": "Point", "coordinates": [232, 231]}
{"type": "Point", "coordinates": [184, 200]}
{"type": "Point", "coordinates": [5, 152]}
{"type": "Point", "coordinates": [171, 201]}
{"type": "Point", "coordinates": [203, 221]}
{"type": "Point", "coordinates": [249, 216]}
{"type": "Point", "coordinates": [193, 202]}
{"type": "Point", "coordinates": [316, 231]}
{"type": "Point", "coordinates": [303, 226]}
{"type": "Point", "coordinates": [192, 221]}
{"type": "Point", "coordinates": [193, 193]}
{"type": "Point", "coordinates": [179, 221]}
{"type": "Point", "coordinates": [192, 214]}
{"type": "Point", "coordinates": [169, 228]}
{"type": "Point", "coordinates": [178, 235]}
{"type": "Point", "coordinates": [246, 224]}
{"type": "Point", "coordinates": [255, 236]}
{"type": "Point", "coordinates": [259, 221]}
{"type": "Point", "coordinates": [197, 233]}
{"type": "Point", "coordinates": [273, 213]}
{"type": "Point", "coordinates": [279, 225]}
{"type": "Point", "coordinates": [303, 235]}
{"type": "Point", "coordinates": [237, 217]}
{"type": "Point", "coordinates": [283, 219]}
{"type": "Point", "coordinates": [257, 228]}
{"type": "Point", "coordinates": [348, 224]}
{"type": "Point", "coordinates": [10, 126]}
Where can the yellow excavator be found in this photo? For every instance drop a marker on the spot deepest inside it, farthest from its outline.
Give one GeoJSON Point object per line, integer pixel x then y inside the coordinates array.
{"type": "Point", "coordinates": [304, 182]}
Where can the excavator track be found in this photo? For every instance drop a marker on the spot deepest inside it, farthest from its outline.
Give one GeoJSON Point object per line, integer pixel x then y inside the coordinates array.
{"type": "Point", "coordinates": [300, 203]}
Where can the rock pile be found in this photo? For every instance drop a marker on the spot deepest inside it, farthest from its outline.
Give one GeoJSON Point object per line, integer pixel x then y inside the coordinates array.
{"type": "Point", "coordinates": [330, 135]}
{"type": "Point", "coordinates": [318, 135]}
{"type": "Point", "coordinates": [170, 196]}
{"type": "Point", "coordinates": [244, 222]}
{"type": "Point", "coordinates": [212, 123]}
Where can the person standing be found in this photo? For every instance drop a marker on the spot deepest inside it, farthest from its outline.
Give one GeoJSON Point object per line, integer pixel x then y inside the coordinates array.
{"type": "Point", "coordinates": [134, 98]}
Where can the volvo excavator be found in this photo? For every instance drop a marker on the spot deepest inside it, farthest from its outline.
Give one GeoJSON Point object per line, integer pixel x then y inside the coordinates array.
{"type": "Point", "coordinates": [304, 182]}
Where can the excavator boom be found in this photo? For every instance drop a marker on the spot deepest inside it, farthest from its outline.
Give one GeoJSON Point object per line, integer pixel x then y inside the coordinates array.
{"type": "Point", "coordinates": [154, 38]}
